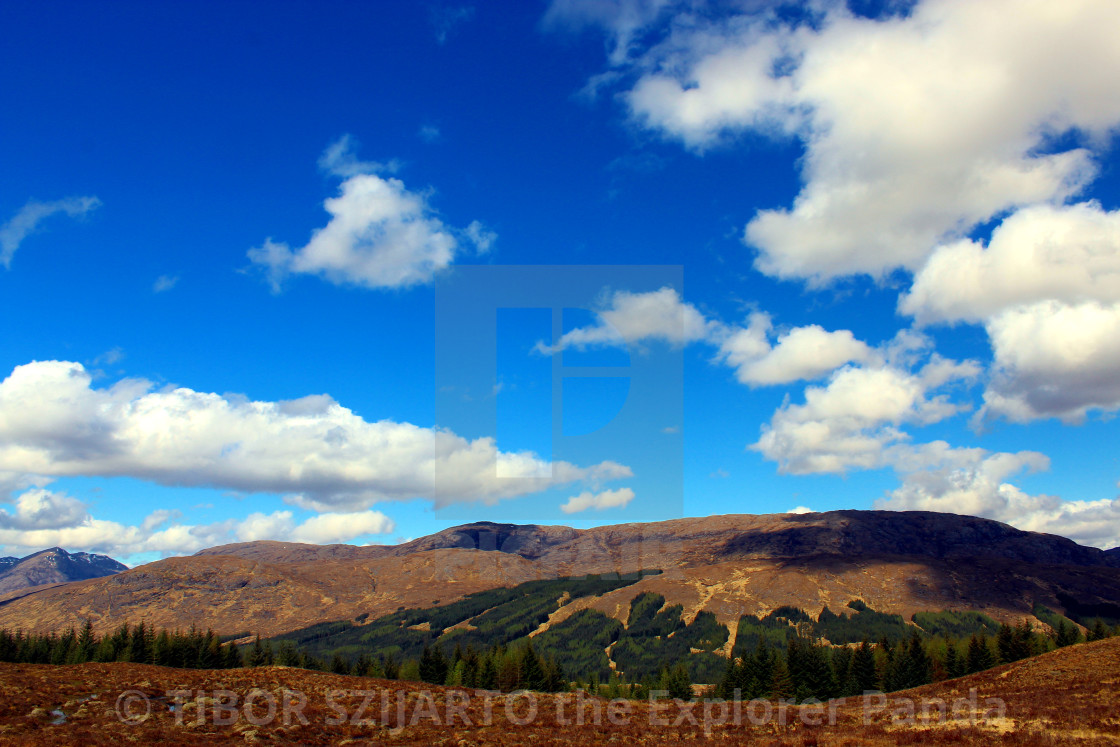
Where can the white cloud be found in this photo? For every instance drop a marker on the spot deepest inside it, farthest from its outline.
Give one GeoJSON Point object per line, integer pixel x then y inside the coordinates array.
{"type": "Point", "coordinates": [854, 421]}
{"type": "Point", "coordinates": [53, 423]}
{"type": "Point", "coordinates": [598, 501]}
{"type": "Point", "coordinates": [42, 509]}
{"type": "Point", "coordinates": [801, 353]}
{"type": "Point", "coordinates": [1054, 360]}
{"type": "Point", "coordinates": [380, 235]}
{"type": "Point", "coordinates": [1047, 290]}
{"type": "Point", "coordinates": [631, 318]}
{"type": "Point", "coordinates": [340, 527]}
{"type": "Point", "coordinates": [481, 236]}
{"type": "Point", "coordinates": [158, 518]}
{"type": "Point", "coordinates": [801, 510]}
{"type": "Point", "coordinates": [55, 520]}
{"type": "Point", "coordinates": [24, 222]}
{"type": "Point", "coordinates": [1069, 254]}
{"type": "Point", "coordinates": [625, 19]}
{"type": "Point", "coordinates": [627, 318]}
{"type": "Point", "coordinates": [916, 128]}
{"type": "Point", "coordinates": [979, 488]}
{"type": "Point", "coordinates": [339, 159]}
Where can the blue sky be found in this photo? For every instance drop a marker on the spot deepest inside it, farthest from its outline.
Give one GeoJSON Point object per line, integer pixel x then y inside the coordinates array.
{"type": "Point", "coordinates": [827, 255]}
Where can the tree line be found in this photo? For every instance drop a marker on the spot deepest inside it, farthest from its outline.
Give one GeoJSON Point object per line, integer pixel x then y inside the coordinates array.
{"type": "Point", "coordinates": [139, 643]}
{"type": "Point", "coordinates": [801, 669]}
{"type": "Point", "coordinates": [806, 669]}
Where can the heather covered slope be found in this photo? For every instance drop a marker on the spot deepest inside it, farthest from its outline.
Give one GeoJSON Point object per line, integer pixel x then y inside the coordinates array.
{"type": "Point", "coordinates": [1065, 697]}
{"type": "Point", "coordinates": [712, 539]}
{"type": "Point", "coordinates": [898, 562]}
{"type": "Point", "coordinates": [231, 594]}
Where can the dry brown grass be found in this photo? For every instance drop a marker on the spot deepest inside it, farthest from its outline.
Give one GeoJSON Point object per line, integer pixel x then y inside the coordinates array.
{"type": "Point", "coordinates": [1071, 696]}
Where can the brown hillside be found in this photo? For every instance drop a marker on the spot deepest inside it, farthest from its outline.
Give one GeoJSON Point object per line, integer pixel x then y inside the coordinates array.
{"type": "Point", "coordinates": [231, 594]}
{"type": "Point", "coordinates": [900, 562]}
{"type": "Point", "coordinates": [1067, 697]}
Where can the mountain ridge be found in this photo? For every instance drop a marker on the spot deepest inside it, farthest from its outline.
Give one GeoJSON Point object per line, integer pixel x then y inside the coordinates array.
{"type": "Point", "coordinates": [898, 562]}
{"type": "Point", "coordinates": [54, 566]}
{"type": "Point", "coordinates": [746, 535]}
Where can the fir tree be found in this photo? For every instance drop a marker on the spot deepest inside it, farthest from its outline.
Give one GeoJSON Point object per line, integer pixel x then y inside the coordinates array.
{"type": "Point", "coordinates": [781, 686]}
{"type": "Point", "coordinates": [955, 664]}
{"type": "Point", "coordinates": [1099, 631]}
{"type": "Point", "coordinates": [532, 674]}
{"type": "Point", "coordinates": [1066, 635]}
{"type": "Point", "coordinates": [339, 665]}
{"type": "Point", "coordinates": [979, 655]}
{"type": "Point", "coordinates": [677, 682]}
{"type": "Point", "coordinates": [863, 669]}
{"type": "Point", "coordinates": [433, 665]}
{"type": "Point", "coordinates": [231, 657]}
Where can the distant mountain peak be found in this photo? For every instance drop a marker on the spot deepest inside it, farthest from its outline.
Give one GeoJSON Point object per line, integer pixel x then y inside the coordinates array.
{"type": "Point", "coordinates": [54, 566]}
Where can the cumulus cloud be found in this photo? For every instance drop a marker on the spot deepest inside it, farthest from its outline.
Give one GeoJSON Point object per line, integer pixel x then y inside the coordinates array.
{"type": "Point", "coordinates": [627, 318]}
{"type": "Point", "coordinates": [1047, 291]}
{"type": "Point", "coordinates": [800, 353]}
{"type": "Point", "coordinates": [45, 519]}
{"type": "Point", "coordinates": [54, 423]}
{"type": "Point", "coordinates": [916, 127]}
{"type": "Point", "coordinates": [24, 222]}
{"type": "Point", "coordinates": [598, 501]}
{"type": "Point", "coordinates": [980, 488]}
{"type": "Point", "coordinates": [631, 318]}
{"type": "Point", "coordinates": [43, 509]}
{"type": "Point", "coordinates": [855, 420]}
{"type": "Point", "coordinates": [1069, 254]}
{"type": "Point", "coordinates": [1054, 360]}
{"type": "Point", "coordinates": [380, 235]}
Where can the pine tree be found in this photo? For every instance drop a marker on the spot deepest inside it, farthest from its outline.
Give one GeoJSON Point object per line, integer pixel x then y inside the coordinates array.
{"type": "Point", "coordinates": [863, 669]}
{"type": "Point", "coordinates": [488, 675]}
{"type": "Point", "coordinates": [209, 652]}
{"type": "Point", "coordinates": [87, 641]}
{"type": "Point", "coordinates": [912, 665]}
{"type": "Point", "coordinates": [817, 679]}
{"type": "Point", "coordinates": [509, 670]}
{"type": "Point", "coordinates": [677, 682]}
{"type": "Point", "coordinates": [1023, 641]}
{"type": "Point", "coordinates": [1066, 635]}
{"type": "Point", "coordinates": [553, 676]}
{"type": "Point", "coordinates": [781, 686]}
{"type": "Point", "coordinates": [430, 666]}
{"type": "Point", "coordinates": [1005, 643]}
{"type": "Point", "coordinates": [532, 674]}
{"type": "Point", "coordinates": [231, 657]}
{"type": "Point", "coordinates": [759, 672]}
{"type": "Point", "coordinates": [955, 664]}
{"type": "Point", "coordinates": [1099, 632]}
{"type": "Point", "coordinates": [339, 665]}
{"type": "Point", "coordinates": [256, 656]}
{"type": "Point", "coordinates": [731, 679]}
{"type": "Point", "coordinates": [287, 655]}
{"type": "Point", "coordinates": [456, 673]}
{"type": "Point", "coordinates": [161, 649]}
{"type": "Point", "coordinates": [979, 655]}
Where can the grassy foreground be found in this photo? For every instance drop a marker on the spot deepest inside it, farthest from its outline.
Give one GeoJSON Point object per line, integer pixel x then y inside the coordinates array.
{"type": "Point", "coordinates": [1068, 696]}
